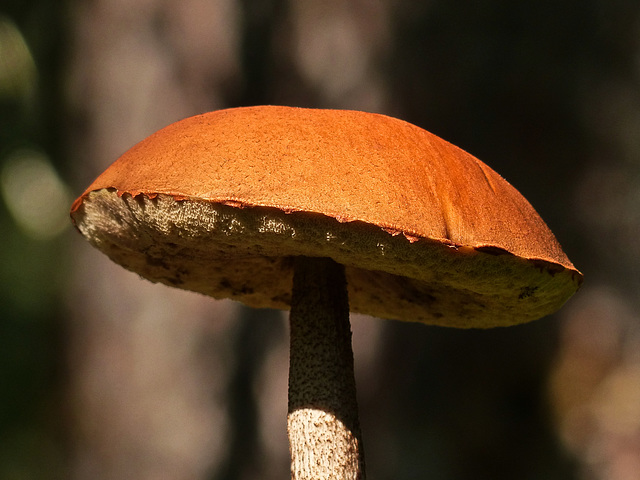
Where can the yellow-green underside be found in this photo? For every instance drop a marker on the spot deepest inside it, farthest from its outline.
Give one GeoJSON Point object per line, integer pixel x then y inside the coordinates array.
{"type": "Point", "coordinates": [245, 254]}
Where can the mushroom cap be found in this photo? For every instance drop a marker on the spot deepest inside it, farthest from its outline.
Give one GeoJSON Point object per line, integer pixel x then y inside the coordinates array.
{"type": "Point", "coordinates": [220, 203]}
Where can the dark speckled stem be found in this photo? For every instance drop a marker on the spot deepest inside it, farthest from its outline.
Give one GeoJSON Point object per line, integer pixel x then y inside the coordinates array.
{"type": "Point", "coordinates": [324, 431]}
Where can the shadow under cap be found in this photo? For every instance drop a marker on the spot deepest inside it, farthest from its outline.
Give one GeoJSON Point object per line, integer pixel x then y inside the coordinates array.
{"type": "Point", "coordinates": [220, 202]}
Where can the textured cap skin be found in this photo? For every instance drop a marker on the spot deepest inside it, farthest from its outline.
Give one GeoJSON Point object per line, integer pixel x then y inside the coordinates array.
{"type": "Point", "coordinates": [389, 181]}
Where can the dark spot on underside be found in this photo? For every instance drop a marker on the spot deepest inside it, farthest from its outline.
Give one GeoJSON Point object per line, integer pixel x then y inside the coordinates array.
{"type": "Point", "coordinates": [527, 292]}
{"type": "Point", "coordinates": [157, 262]}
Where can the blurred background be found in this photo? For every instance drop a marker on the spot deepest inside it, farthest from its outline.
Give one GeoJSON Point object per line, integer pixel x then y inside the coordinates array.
{"type": "Point", "coordinates": [106, 376]}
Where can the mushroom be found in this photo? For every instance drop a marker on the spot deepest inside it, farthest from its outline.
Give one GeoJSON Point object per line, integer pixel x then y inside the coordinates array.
{"type": "Point", "coordinates": [324, 212]}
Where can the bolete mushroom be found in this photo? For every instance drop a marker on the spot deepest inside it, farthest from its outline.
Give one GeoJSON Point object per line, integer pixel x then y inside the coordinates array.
{"type": "Point", "coordinates": [324, 212]}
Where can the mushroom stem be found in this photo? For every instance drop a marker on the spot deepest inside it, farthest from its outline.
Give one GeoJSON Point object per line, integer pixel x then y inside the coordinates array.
{"type": "Point", "coordinates": [323, 427]}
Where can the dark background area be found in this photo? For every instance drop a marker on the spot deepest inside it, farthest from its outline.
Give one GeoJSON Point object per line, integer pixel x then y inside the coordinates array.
{"type": "Point", "coordinates": [105, 376]}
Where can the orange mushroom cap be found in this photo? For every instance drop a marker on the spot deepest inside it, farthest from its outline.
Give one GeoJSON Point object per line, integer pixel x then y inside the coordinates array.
{"type": "Point", "coordinates": [219, 203]}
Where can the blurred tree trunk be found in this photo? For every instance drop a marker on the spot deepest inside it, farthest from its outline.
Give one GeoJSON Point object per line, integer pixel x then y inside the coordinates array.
{"type": "Point", "coordinates": [149, 365]}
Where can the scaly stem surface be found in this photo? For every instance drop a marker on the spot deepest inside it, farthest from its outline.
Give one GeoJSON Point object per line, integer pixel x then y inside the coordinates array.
{"type": "Point", "coordinates": [323, 427]}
